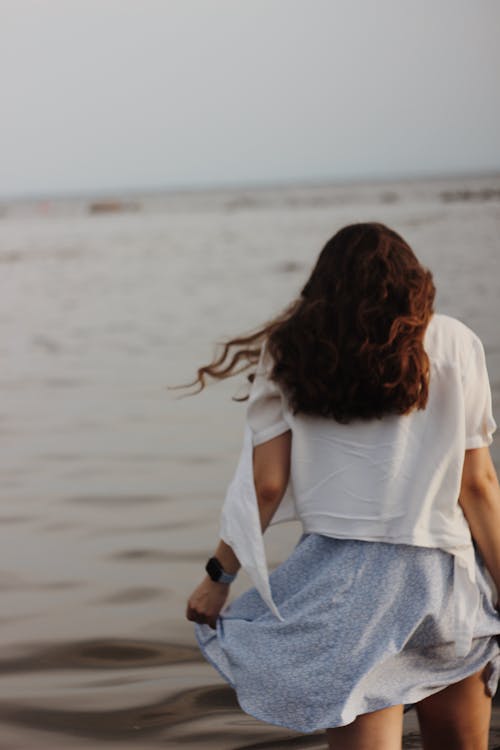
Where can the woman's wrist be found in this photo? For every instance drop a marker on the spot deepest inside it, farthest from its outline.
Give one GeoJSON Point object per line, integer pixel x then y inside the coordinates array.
{"type": "Point", "coordinates": [216, 584]}
{"type": "Point", "coordinates": [226, 557]}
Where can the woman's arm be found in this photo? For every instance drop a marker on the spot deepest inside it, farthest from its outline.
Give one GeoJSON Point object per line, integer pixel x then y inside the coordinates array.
{"type": "Point", "coordinates": [480, 501]}
{"type": "Point", "coordinates": [271, 471]}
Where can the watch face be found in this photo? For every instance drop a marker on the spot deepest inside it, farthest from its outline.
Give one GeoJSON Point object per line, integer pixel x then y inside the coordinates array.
{"type": "Point", "coordinates": [213, 569]}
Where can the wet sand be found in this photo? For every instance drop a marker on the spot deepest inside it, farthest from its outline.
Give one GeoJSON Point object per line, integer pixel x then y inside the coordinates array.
{"type": "Point", "coordinates": [112, 485]}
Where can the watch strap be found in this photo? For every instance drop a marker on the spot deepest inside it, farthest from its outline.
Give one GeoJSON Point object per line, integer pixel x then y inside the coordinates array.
{"type": "Point", "coordinates": [217, 572]}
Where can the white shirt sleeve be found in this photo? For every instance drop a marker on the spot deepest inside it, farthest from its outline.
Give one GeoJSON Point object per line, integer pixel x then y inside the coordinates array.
{"type": "Point", "coordinates": [479, 422]}
{"type": "Point", "coordinates": [265, 415]}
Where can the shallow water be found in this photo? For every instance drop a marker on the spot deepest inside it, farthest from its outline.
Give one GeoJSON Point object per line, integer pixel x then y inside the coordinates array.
{"type": "Point", "coordinates": [111, 484]}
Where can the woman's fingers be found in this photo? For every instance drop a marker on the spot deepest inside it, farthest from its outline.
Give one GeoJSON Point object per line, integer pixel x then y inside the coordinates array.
{"type": "Point", "coordinates": [195, 616]}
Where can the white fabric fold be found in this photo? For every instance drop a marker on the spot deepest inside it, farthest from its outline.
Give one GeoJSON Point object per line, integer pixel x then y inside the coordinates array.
{"type": "Point", "coordinates": [240, 523]}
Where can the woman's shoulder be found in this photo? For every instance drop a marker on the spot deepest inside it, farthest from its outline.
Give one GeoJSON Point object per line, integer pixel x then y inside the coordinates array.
{"type": "Point", "coordinates": [449, 339]}
{"type": "Point", "coordinates": [450, 324]}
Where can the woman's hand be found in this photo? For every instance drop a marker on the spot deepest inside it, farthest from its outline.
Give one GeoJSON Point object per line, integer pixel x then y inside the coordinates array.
{"type": "Point", "coordinates": [206, 601]}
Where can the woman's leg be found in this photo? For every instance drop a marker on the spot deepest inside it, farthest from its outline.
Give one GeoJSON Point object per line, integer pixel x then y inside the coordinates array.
{"type": "Point", "coordinates": [377, 730]}
{"type": "Point", "coordinates": [457, 717]}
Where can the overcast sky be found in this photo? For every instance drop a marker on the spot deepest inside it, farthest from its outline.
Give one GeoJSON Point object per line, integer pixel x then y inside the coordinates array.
{"type": "Point", "coordinates": [111, 94]}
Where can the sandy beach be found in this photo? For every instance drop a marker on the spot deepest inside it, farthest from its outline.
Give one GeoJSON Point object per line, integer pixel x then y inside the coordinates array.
{"type": "Point", "coordinates": [112, 484]}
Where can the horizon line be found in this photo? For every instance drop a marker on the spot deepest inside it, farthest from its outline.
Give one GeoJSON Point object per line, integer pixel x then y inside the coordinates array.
{"type": "Point", "coordinates": [228, 186]}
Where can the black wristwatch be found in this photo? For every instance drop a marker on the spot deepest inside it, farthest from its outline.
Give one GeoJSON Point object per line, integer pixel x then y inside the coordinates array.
{"type": "Point", "coordinates": [217, 572]}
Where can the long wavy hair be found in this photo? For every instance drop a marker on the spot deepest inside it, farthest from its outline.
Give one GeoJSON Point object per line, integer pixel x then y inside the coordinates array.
{"type": "Point", "coordinates": [351, 345]}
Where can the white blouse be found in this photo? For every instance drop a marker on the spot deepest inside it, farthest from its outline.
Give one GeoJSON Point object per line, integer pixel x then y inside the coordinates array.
{"type": "Point", "coordinates": [395, 480]}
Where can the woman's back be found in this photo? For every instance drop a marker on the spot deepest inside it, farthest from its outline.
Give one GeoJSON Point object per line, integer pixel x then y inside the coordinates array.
{"type": "Point", "coordinates": [398, 476]}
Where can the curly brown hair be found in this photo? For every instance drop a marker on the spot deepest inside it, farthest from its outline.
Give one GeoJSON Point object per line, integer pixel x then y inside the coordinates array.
{"type": "Point", "coordinates": [351, 345]}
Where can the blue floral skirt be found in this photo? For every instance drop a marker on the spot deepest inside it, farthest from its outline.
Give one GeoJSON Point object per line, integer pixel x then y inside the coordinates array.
{"type": "Point", "coordinates": [366, 625]}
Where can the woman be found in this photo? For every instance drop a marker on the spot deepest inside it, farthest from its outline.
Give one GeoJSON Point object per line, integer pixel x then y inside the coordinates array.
{"type": "Point", "coordinates": [372, 413]}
